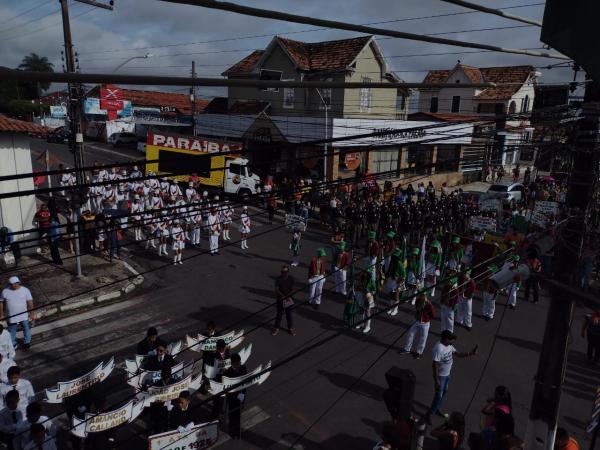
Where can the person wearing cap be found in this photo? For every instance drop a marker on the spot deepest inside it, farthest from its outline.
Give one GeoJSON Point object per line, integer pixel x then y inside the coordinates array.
{"type": "Point", "coordinates": [432, 266]}
{"type": "Point", "coordinates": [389, 247]}
{"type": "Point", "coordinates": [316, 278]}
{"type": "Point", "coordinates": [455, 255]}
{"type": "Point", "coordinates": [151, 228]}
{"type": "Point", "coordinates": [396, 277]}
{"type": "Point", "coordinates": [414, 273]}
{"type": "Point", "coordinates": [373, 254]}
{"type": "Point", "coordinates": [342, 262]}
{"type": "Point", "coordinates": [136, 210]}
{"type": "Point", "coordinates": [443, 355]}
{"type": "Point", "coordinates": [226, 218]}
{"type": "Point", "coordinates": [295, 246]}
{"type": "Point", "coordinates": [512, 290]}
{"type": "Point", "coordinates": [178, 241]}
{"type": "Point", "coordinates": [365, 297]}
{"type": "Point", "coordinates": [16, 305]}
{"type": "Point", "coordinates": [214, 227]}
{"type": "Point", "coordinates": [190, 192]}
{"type": "Point", "coordinates": [464, 310]}
{"type": "Point", "coordinates": [284, 288]}
{"type": "Point", "coordinates": [174, 189]}
{"type": "Point", "coordinates": [163, 232]}
{"type": "Point", "coordinates": [196, 222]}
{"type": "Point", "coordinates": [244, 227]}
{"type": "Point", "coordinates": [489, 301]}
{"type": "Point", "coordinates": [424, 314]}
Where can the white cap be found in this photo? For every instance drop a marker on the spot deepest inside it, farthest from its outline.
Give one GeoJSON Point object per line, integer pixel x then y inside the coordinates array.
{"type": "Point", "coordinates": [245, 208]}
{"type": "Point", "coordinates": [216, 197]}
{"type": "Point", "coordinates": [13, 280]}
{"type": "Point", "coordinates": [205, 194]}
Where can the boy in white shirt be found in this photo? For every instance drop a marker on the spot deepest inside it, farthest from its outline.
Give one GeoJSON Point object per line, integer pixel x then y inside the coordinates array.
{"type": "Point", "coordinates": [26, 430]}
{"type": "Point", "coordinates": [24, 387]}
{"type": "Point", "coordinates": [39, 439]}
{"type": "Point", "coordinates": [5, 364]}
{"type": "Point", "coordinates": [7, 349]}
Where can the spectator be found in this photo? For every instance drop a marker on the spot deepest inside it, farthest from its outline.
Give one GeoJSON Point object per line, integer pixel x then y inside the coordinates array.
{"type": "Point", "coordinates": [591, 330]}
{"type": "Point", "coordinates": [527, 176]}
{"type": "Point", "coordinates": [389, 438]}
{"type": "Point", "coordinates": [55, 230]}
{"type": "Point", "coordinates": [502, 428]}
{"type": "Point", "coordinates": [502, 401]}
{"type": "Point", "coordinates": [42, 220]}
{"type": "Point", "coordinates": [451, 433]}
{"type": "Point", "coordinates": [284, 287]}
{"type": "Point", "coordinates": [563, 441]}
{"type": "Point", "coordinates": [19, 309]}
{"type": "Point", "coordinates": [532, 283]}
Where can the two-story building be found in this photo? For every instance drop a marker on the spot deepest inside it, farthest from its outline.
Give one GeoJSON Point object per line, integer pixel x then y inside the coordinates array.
{"type": "Point", "coordinates": [507, 105]}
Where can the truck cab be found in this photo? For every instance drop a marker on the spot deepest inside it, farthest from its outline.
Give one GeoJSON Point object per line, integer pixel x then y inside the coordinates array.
{"type": "Point", "coordinates": [239, 178]}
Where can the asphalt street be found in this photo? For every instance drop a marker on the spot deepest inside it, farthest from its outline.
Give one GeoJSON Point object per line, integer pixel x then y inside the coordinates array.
{"type": "Point", "coordinates": [236, 287]}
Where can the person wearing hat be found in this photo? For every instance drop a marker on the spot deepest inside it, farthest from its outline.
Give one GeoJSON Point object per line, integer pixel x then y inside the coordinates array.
{"type": "Point", "coordinates": [443, 355]}
{"type": "Point", "coordinates": [195, 217]}
{"type": "Point", "coordinates": [414, 273]}
{"type": "Point", "coordinates": [16, 305]}
{"type": "Point", "coordinates": [295, 246]}
{"type": "Point", "coordinates": [432, 266]}
{"type": "Point", "coordinates": [226, 218]}
{"type": "Point", "coordinates": [135, 210]}
{"type": "Point", "coordinates": [316, 278]}
{"type": "Point", "coordinates": [342, 262]}
{"type": "Point", "coordinates": [244, 227]}
{"type": "Point", "coordinates": [449, 301]}
{"type": "Point", "coordinates": [163, 233]}
{"type": "Point", "coordinates": [464, 311]}
{"type": "Point", "coordinates": [190, 192]}
{"type": "Point", "coordinates": [455, 255]}
{"type": "Point", "coordinates": [178, 241]}
{"type": "Point", "coordinates": [396, 276]}
{"type": "Point", "coordinates": [512, 290]}
{"type": "Point", "coordinates": [174, 189]}
{"type": "Point", "coordinates": [489, 301]}
{"type": "Point", "coordinates": [424, 314]}
{"type": "Point", "coordinates": [214, 227]}
{"type": "Point", "coordinates": [373, 254]}
{"type": "Point", "coordinates": [389, 247]}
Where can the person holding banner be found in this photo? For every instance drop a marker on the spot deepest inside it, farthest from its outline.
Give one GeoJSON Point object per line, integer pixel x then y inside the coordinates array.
{"type": "Point", "coordinates": [161, 359]}
{"type": "Point", "coordinates": [10, 417]}
{"type": "Point", "coordinates": [316, 278]}
{"type": "Point", "coordinates": [284, 287]}
{"type": "Point", "coordinates": [148, 345]}
{"type": "Point", "coordinates": [182, 415]}
{"type": "Point", "coordinates": [218, 361]}
{"type": "Point", "coordinates": [235, 400]}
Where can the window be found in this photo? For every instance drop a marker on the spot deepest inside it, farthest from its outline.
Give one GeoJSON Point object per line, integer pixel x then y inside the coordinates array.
{"type": "Point", "coordinates": [512, 108]}
{"type": "Point", "coordinates": [400, 103]}
{"type": "Point", "coordinates": [235, 169]}
{"type": "Point", "coordinates": [499, 109]}
{"type": "Point", "coordinates": [386, 161]}
{"type": "Point", "coordinates": [525, 104]}
{"type": "Point", "coordinates": [326, 94]}
{"type": "Point", "coordinates": [289, 95]}
{"type": "Point", "coordinates": [448, 158]}
{"type": "Point", "coordinates": [433, 106]}
{"type": "Point", "coordinates": [365, 96]}
{"type": "Point", "coordinates": [456, 103]}
{"type": "Point", "coordinates": [419, 159]}
{"type": "Point", "coordinates": [270, 75]}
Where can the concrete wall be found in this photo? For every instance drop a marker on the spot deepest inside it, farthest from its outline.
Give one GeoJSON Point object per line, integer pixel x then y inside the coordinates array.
{"type": "Point", "coordinates": [444, 96]}
{"type": "Point", "coordinates": [16, 213]}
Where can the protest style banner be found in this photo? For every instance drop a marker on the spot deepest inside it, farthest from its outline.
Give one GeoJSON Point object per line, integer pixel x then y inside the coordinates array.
{"type": "Point", "coordinates": [211, 372]}
{"type": "Point", "coordinates": [145, 377]}
{"type": "Point", "coordinates": [483, 223]}
{"type": "Point", "coordinates": [170, 392]}
{"type": "Point", "coordinates": [546, 207]}
{"type": "Point", "coordinates": [135, 364]}
{"type": "Point", "coordinates": [539, 219]}
{"type": "Point", "coordinates": [69, 388]}
{"type": "Point", "coordinates": [196, 437]}
{"type": "Point", "coordinates": [294, 222]}
{"type": "Point", "coordinates": [491, 204]}
{"type": "Point", "coordinates": [243, 382]}
{"type": "Point", "coordinates": [232, 339]}
{"type": "Point", "coordinates": [94, 423]}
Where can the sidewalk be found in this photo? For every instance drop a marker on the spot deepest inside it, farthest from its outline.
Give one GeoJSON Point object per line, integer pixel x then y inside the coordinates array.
{"type": "Point", "coordinates": [56, 289]}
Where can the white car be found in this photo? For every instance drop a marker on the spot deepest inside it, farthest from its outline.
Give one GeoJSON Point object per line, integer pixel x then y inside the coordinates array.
{"type": "Point", "coordinates": [507, 192]}
{"type": "Point", "coordinates": [123, 138]}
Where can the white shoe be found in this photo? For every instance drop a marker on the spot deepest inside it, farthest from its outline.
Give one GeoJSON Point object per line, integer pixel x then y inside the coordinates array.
{"type": "Point", "coordinates": [366, 329]}
{"type": "Point", "coordinates": [180, 262]}
{"type": "Point", "coordinates": [394, 311]}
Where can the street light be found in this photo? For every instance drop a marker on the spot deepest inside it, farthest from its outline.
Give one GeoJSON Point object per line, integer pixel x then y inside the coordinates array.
{"type": "Point", "coordinates": [146, 56]}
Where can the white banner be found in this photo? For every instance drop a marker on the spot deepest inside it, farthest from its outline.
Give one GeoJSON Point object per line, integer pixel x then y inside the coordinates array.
{"type": "Point", "coordinates": [483, 223]}
{"type": "Point", "coordinates": [69, 388]}
{"type": "Point", "coordinates": [245, 380]}
{"type": "Point", "coordinates": [540, 219]}
{"type": "Point", "coordinates": [133, 365]}
{"type": "Point", "coordinates": [94, 423]}
{"type": "Point", "coordinates": [197, 437]}
{"type": "Point", "coordinates": [232, 339]}
{"type": "Point", "coordinates": [546, 207]}
{"type": "Point", "coordinates": [491, 204]}
{"type": "Point", "coordinates": [137, 380]}
{"type": "Point", "coordinates": [294, 222]}
{"type": "Point", "coordinates": [171, 392]}
{"type": "Point", "coordinates": [211, 372]}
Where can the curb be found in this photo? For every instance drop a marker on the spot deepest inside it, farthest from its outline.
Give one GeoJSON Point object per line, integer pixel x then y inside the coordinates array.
{"type": "Point", "coordinates": [73, 304]}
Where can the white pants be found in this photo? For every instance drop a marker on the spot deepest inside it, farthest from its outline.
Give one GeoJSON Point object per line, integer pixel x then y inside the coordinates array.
{"type": "Point", "coordinates": [512, 295]}
{"type": "Point", "coordinates": [489, 306]}
{"type": "Point", "coordinates": [196, 236]}
{"type": "Point", "coordinates": [423, 330]}
{"type": "Point", "coordinates": [464, 312]}
{"type": "Point", "coordinates": [214, 243]}
{"type": "Point", "coordinates": [373, 267]}
{"type": "Point", "coordinates": [447, 318]}
{"type": "Point", "coordinates": [429, 282]}
{"type": "Point", "coordinates": [340, 281]}
{"type": "Point", "coordinates": [315, 288]}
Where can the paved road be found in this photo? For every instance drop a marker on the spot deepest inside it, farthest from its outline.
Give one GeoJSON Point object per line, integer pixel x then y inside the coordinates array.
{"type": "Point", "coordinates": [232, 287]}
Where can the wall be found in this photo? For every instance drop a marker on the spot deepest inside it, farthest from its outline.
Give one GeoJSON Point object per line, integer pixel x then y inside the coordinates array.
{"type": "Point", "coordinates": [467, 105]}
{"type": "Point", "coordinates": [16, 213]}
{"type": "Point", "coordinates": [383, 101]}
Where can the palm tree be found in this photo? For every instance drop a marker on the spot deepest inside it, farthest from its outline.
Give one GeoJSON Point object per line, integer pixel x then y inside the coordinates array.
{"type": "Point", "coordinates": [36, 63]}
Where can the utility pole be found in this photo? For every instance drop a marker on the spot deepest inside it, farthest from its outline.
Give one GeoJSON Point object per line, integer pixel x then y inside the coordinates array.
{"type": "Point", "coordinates": [544, 412]}
{"type": "Point", "coordinates": [193, 99]}
{"type": "Point", "coordinates": [76, 137]}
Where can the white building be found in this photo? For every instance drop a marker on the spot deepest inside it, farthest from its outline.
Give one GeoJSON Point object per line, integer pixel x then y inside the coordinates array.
{"type": "Point", "coordinates": [511, 102]}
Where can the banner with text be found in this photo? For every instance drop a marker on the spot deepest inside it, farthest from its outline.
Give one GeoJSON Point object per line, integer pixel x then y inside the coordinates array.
{"type": "Point", "coordinates": [212, 372]}
{"type": "Point", "coordinates": [170, 392]}
{"type": "Point", "coordinates": [69, 388]}
{"type": "Point", "coordinates": [146, 377]}
{"type": "Point", "coordinates": [232, 339]}
{"type": "Point", "coordinates": [94, 423]}
{"type": "Point", "coordinates": [197, 437]}
{"type": "Point", "coordinates": [483, 223]}
{"type": "Point", "coordinates": [243, 382]}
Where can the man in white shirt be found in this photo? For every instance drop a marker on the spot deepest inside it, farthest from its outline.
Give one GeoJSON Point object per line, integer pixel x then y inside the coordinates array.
{"type": "Point", "coordinates": [5, 364]}
{"type": "Point", "coordinates": [39, 439]}
{"type": "Point", "coordinates": [19, 310]}
{"type": "Point", "coordinates": [7, 349]}
{"type": "Point", "coordinates": [443, 354]}
{"type": "Point", "coordinates": [10, 417]}
{"type": "Point", "coordinates": [16, 383]}
{"type": "Point", "coordinates": [26, 429]}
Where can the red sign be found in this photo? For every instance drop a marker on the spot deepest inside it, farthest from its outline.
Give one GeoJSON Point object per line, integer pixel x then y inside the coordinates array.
{"type": "Point", "coordinates": [352, 161]}
{"type": "Point", "coordinates": [111, 99]}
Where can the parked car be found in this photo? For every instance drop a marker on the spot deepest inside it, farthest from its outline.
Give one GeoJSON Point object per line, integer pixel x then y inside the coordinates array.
{"type": "Point", "coordinates": [141, 146]}
{"type": "Point", "coordinates": [507, 192]}
{"type": "Point", "coordinates": [123, 138]}
{"type": "Point", "coordinates": [475, 197]}
{"type": "Point", "coordinates": [59, 136]}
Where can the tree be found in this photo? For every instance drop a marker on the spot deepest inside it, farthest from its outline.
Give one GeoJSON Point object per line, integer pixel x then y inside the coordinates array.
{"type": "Point", "coordinates": [36, 63]}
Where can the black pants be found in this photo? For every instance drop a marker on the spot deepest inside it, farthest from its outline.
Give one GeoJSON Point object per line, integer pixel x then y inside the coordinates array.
{"type": "Point", "coordinates": [55, 253]}
{"type": "Point", "coordinates": [532, 283]}
{"type": "Point", "coordinates": [217, 407]}
{"type": "Point", "coordinates": [235, 415]}
{"type": "Point", "coordinates": [356, 233]}
{"type": "Point", "coordinates": [593, 349]}
{"type": "Point", "coordinates": [288, 315]}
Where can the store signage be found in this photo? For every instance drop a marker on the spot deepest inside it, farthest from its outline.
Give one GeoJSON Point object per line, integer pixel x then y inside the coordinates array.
{"type": "Point", "coordinates": [111, 99]}
{"type": "Point", "coordinates": [197, 144]}
{"type": "Point", "coordinates": [352, 160]}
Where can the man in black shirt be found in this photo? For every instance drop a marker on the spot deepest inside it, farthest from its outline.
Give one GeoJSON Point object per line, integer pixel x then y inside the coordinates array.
{"type": "Point", "coordinates": [161, 360]}
{"type": "Point", "coordinates": [148, 345]}
{"type": "Point", "coordinates": [235, 400]}
{"type": "Point", "coordinates": [284, 287]}
{"type": "Point", "coordinates": [182, 413]}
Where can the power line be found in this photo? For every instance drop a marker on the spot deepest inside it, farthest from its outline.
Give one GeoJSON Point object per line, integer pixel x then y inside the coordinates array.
{"type": "Point", "coordinates": [496, 12]}
{"type": "Point", "coordinates": [26, 12]}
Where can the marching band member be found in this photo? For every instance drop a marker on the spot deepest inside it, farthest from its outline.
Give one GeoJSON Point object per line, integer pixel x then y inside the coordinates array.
{"type": "Point", "coordinates": [136, 209]}
{"type": "Point", "coordinates": [342, 261]}
{"type": "Point", "coordinates": [244, 227]}
{"type": "Point", "coordinates": [215, 230]}
{"type": "Point", "coordinates": [449, 301]}
{"type": "Point", "coordinates": [316, 278]}
{"type": "Point", "coordinates": [424, 314]}
{"type": "Point", "coordinates": [178, 239]}
{"type": "Point", "coordinates": [464, 312]}
{"type": "Point", "coordinates": [226, 219]}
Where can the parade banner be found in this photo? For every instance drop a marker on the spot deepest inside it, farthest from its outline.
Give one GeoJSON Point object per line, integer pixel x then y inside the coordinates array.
{"type": "Point", "coordinates": [294, 222]}
{"type": "Point", "coordinates": [211, 372]}
{"type": "Point", "coordinates": [546, 207]}
{"type": "Point", "coordinates": [491, 204]}
{"type": "Point", "coordinates": [483, 223]}
{"type": "Point", "coordinates": [245, 381]}
{"type": "Point", "coordinates": [138, 379]}
{"type": "Point", "coordinates": [539, 219]}
{"type": "Point", "coordinates": [232, 339]}
{"type": "Point", "coordinates": [94, 423]}
{"type": "Point", "coordinates": [197, 437]}
{"type": "Point", "coordinates": [133, 365]}
{"type": "Point", "coordinates": [69, 388]}
{"type": "Point", "coordinates": [171, 392]}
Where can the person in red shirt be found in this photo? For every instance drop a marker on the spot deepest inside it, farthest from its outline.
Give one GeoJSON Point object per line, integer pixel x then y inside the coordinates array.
{"type": "Point", "coordinates": [342, 262]}
{"type": "Point", "coordinates": [373, 254]}
{"type": "Point", "coordinates": [532, 283]}
{"type": "Point", "coordinates": [316, 278]}
{"type": "Point", "coordinates": [42, 220]}
{"type": "Point", "coordinates": [564, 441]}
{"type": "Point", "coordinates": [464, 313]}
{"type": "Point", "coordinates": [424, 313]}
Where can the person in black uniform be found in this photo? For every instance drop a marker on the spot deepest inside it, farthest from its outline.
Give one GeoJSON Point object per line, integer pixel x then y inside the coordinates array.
{"type": "Point", "coordinates": [182, 413]}
{"type": "Point", "coordinates": [235, 400]}
{"type": "Point", "coordinates": [101, 440]}
{"type": "Point", "coordinates": [161, 360]}
{"type": "Point", "coordinates": [218, 359]}
{"type": "Point", "coordinates": [148, 345]}
{"type": "Point", "coordinates": [159, 414]}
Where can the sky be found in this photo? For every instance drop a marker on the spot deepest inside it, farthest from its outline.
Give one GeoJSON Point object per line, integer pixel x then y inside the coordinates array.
{"type": "Point", "coordinates": [177, 34]}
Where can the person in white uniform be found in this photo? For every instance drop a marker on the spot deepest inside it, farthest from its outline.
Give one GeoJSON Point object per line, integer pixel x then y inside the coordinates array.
{"type": "Point", "coordinates": [226, 214]}
{"type": "Point", "coordinates": [244, 227]}
{"type": "Point", "coordinates": [16, 383]}
{"type": "Point", "coordinates": [178, 241]}
{"type": "Point", "coordinates": [214, 228]}
{"type": "Point", "coordinates": [7, 350]}
{"type": "Point", "coordinates": [136, 217]}
{"type": "Point", "coordinates": [163, 229]}
{"type": "Point", "coordinates": [489, 301]}
{"type": "Point", "coordinates": [424, 314]}
{"type": "Point", "coordinates": [512, 290]}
